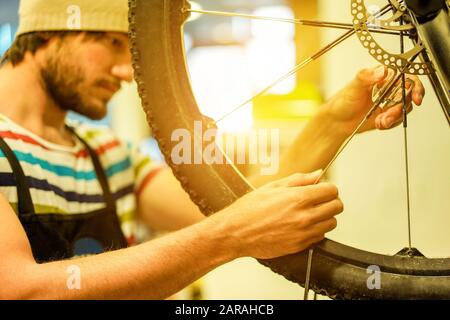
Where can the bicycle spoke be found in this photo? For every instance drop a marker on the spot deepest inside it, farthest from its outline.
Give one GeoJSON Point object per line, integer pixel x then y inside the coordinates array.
{"type": "Point", "coordinates": [405, 138]}
{"type": "Point", "coordinates": [311, 23]}
{"type": "Point", "coordinates": [308, 273]}
{"type": "Point", "coordinates": [383, 11]}
{"type": "Point", "coordinates": [345, 26]}
{"type": "Point", "coordinates": [243, 15]}
{"type": "Point", "coordinates": [408, 202]}
{"type": "Point", "coordinates": [298, 67]}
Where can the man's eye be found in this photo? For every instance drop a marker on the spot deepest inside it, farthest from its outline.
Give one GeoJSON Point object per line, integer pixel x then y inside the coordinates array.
{"type": "Point", "coordinates": [116, 43]}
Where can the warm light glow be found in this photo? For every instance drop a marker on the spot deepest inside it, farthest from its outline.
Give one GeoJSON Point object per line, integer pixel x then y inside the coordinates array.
{"type": "Point", "coordinates": [223, 77]}
{"type": "Point", "coordinates": [271, 52]}
{"type": "Point", "coordinates": [221, 82]}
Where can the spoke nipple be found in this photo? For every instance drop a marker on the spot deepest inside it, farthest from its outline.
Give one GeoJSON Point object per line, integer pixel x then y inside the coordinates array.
{"type": "Point", "coordinates": [413, 33]}
{"type": "Point", "coordinates": [410, 252]}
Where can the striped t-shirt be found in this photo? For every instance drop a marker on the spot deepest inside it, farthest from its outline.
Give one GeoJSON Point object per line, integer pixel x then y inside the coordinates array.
{"type": "Point", "coordinates": [63, 180]}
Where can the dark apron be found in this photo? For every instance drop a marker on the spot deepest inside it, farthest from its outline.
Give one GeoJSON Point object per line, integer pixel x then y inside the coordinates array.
{"type": "Point", "coordinates": [61, 236]}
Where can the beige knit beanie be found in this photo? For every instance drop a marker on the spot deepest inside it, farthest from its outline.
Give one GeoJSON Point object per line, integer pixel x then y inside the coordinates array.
{"type": "Point", "coordinates": [83, 15]}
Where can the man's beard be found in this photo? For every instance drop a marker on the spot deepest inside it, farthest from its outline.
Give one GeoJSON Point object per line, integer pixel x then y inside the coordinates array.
{"type": "Point", "coordinates": [62, 82]}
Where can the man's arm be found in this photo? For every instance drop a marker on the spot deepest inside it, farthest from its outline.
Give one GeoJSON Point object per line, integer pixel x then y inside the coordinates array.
{"type": "Point", "coordinates": [336, 120]}
{"type": "Point", "coordinates": [163, 204]}
{"type": "Point", "coordinates": [153, 270]}
{"type": "Point", "coordinates": [281, 218]}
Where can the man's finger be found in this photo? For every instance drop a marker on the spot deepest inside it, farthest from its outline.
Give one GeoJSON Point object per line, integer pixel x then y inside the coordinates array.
{"type": "Point", "coordinates": [418, 91]}
{"type": "Point", "coordinates": [370, 76]}
{"type": "Point", "coordinates": [320, 228]}
{"type": "Point", "coordinates": [298, 179]}
{"type": "Point", "coordinates": [391, 117]}
{"type": "Point", "coordinates": [316, 194]}
{"type": "Point", "coordinates": [326, 210]}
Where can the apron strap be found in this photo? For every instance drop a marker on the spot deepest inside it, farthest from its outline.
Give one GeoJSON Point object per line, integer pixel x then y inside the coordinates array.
{"type": "Point", "coordinates": [25, 203]}
{"type": "Point", "coordinates": [101, 176]}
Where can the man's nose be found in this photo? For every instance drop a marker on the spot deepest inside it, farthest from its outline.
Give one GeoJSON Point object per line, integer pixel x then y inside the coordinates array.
{"type": "Point", "coordinates": [124, 72]}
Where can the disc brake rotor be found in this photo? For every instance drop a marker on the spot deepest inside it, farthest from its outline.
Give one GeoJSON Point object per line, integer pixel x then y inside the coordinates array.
{"type": "Point", "coordinates": [362, 19]}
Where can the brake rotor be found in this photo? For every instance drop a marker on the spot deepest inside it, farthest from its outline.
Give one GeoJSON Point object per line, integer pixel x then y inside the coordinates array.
{"type": "Point", "coordinates": [362, 19]}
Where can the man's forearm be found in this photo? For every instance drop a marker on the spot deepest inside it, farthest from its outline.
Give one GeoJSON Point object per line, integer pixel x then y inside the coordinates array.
{"type": "Point", "coordinates": [154, 270]}
{"type": "Point", "coordinates": [276, 220]}
{"type": "Point", "coordinates": [312, 150]}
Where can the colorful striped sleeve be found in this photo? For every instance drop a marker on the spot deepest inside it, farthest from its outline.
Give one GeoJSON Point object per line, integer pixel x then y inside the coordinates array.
{"type": "Point", "coordinates": [145, 169]}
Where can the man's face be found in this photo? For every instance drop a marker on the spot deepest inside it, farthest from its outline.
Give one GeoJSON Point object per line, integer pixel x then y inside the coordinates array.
{"type": "Point", "coordinates": [82, 73]}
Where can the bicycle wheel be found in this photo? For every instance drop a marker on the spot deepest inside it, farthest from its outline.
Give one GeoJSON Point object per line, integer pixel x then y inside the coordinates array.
{"type": "Point", "coordinates": [340, 271]}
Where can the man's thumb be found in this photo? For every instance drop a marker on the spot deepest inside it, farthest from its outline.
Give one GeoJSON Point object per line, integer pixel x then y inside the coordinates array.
{"type": "Point", "coordinates": [369, 77]}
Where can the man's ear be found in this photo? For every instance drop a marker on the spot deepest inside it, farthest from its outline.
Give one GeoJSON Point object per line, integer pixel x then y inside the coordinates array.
{"type": "Point", "coordinates": [47, 41]}
{"type": "Point", "coordinates": [49, 37]}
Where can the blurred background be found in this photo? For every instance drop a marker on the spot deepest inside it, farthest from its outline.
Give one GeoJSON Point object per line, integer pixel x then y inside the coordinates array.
{"type": "Point", "coordinates": [231, 59]}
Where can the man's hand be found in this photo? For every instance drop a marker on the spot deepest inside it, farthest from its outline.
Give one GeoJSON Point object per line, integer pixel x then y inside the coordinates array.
{"type": "Point", "coordinates": [283, 217]}
{"type": "Point", "coordinates": [350, 106]}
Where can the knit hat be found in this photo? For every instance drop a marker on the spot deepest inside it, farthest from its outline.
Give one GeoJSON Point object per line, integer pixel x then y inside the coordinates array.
{"type": "Point", "coordinates": [66, 15]}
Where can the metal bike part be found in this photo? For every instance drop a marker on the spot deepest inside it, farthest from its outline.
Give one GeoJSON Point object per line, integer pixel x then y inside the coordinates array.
{"type": "Point", "coordinates": [362, 19]}
{"type": "Point", "coordinates": [308, 273]}
{"type": "Point", "coordinates": [432, 26]}
{"type": "Point", "coordinates": [393, 97]}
